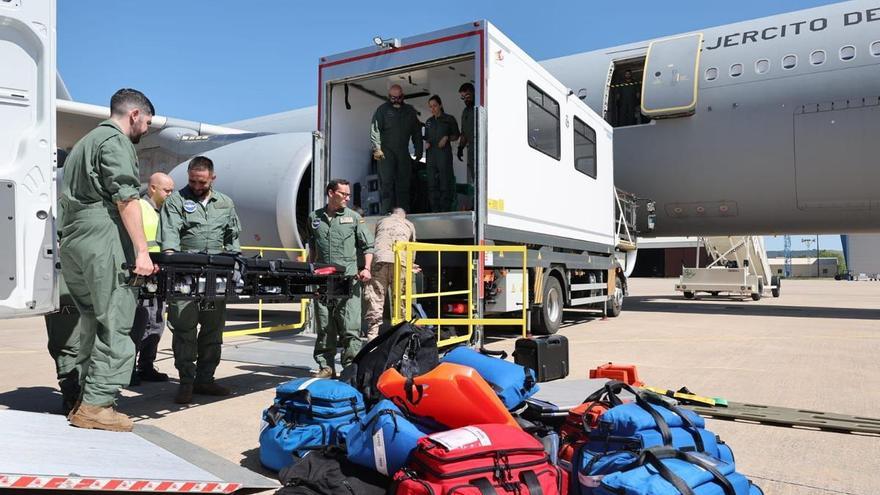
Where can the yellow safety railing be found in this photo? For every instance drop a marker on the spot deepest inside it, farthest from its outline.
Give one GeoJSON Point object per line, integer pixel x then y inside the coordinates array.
{"type": "Point", "coordinates": [404, 257]}
{"type": "Point", "coordinates": [303, 303]}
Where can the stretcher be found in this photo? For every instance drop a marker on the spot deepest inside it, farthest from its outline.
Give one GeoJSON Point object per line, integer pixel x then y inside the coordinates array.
{"type": "Point", "coordinates": [208, 278]}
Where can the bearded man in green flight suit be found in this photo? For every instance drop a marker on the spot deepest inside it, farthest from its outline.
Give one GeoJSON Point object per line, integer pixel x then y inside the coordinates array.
{"type": "Point", "coordinates": [102, 235]}
{"type": "Point", "coordinates": [198, 219]}
{"type": "Point", "coordinates": [337, 234]}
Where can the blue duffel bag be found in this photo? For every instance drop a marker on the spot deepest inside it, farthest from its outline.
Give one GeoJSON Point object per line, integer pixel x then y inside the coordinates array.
{"type": "Point", "coordinates": [651, 421]}
{"type": "Point", "coordinates": [306, 415]}
{"type": "Point", "coordinates": [513, 383]}
{"type": "Point", "coordinates": [666, 471]}
{"type": "Point", "coordinates": [383, 439]}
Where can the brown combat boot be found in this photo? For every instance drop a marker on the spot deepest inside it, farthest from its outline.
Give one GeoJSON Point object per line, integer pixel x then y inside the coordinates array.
{"type": "Point", "coordinates": [211, 389]}
{"type": "Point", "coordinates": [100, 418]}
{"type": "Point", "coordinates": [184, 393]}
{"type": "Point", "coordinates": [324, 373]}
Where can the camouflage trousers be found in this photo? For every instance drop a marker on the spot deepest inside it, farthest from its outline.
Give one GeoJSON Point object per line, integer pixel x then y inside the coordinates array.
{"type": "Point", "coordinates": [380, 285]}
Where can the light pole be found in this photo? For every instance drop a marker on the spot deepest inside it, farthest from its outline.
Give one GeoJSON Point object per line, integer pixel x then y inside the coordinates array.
{"type": "Point", "coordinates": [808, 241]}
{"type": "Point", "coordinates": [818, 263]}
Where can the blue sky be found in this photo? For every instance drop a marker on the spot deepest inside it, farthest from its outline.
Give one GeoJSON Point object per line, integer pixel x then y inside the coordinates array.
{"type": "Point", "coordinates": [218, 61]}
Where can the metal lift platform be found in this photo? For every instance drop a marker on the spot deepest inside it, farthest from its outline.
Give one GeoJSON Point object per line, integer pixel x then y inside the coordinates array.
{"type": "Point", "coordinates": [43, 452]}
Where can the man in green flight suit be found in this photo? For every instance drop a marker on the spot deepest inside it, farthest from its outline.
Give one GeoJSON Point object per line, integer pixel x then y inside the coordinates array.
{"type": "Point", "coordinates": [466, 91]}
{"type": "Point", "coordinates": [101, 236]}
{"type": "Point", "coordinates": [394, 125]}
{"type": "Point", "coordinates": [337, 234]}
{"type": "Point", "coordinates": [198, 219]}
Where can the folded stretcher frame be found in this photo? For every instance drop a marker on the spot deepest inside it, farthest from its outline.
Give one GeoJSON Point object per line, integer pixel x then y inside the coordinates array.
{"type": "Point", "coordinates": [209, 278]}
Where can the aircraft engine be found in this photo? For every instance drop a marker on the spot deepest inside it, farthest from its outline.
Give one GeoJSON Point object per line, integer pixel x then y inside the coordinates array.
{"type": "Point", "coordinates": [269, 179]}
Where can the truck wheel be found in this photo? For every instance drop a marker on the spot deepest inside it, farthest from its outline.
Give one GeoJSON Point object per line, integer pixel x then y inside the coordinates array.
{"type": "Point", "coordinates": [615, 304]}
{"type": "Point", "coordinates": [714, 293]}
{"type": "Point", "coordinates": [547, 318]}
{"type": "Point", "coordinates": [688, 294]}
{"type": "Point", "coordinates": [756, 296]}
{"type": "Point", "coordinates": [777, 285]}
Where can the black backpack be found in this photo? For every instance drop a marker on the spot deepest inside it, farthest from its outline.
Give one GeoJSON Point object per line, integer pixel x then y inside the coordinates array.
{"type": "Point", "coordinates": [407, 347]}
{"type": "Point", "coordinates": [329, 472]}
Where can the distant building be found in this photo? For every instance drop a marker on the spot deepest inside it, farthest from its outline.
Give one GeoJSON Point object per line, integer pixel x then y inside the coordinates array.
{"type": "Point", "coordinates": [806, 267]}
{"type": "Point", "coordinates": [862, 253]}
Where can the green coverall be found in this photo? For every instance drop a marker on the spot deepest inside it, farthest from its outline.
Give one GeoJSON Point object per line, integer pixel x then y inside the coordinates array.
{"type": "Point", "coordinates": [101, 171]}
{"type": "Point", "coordinates": [391, 131]}
{"type": "Point", "coordinates": [441, 176]}
{"type": "Point", "coordinates": [467, 131]}
{"type": "Point", "coordinates": [64, 343]}
{"type": "Point", "coordinates": [341, 238]}
{"type": "Point", "coordinates": [185, 224]}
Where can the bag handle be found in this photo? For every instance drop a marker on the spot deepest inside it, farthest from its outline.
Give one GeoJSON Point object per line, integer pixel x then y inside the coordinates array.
{"type": "Point", "coordinates": [614, 387]}
{"type": "Point", "coordinates": [484, 485]}
{"type": "Point", "coordinates": [529, 479]}
{"type": "Point", "coordinates": [409, 387]}
{"type": "Point", "coordinates": [654, 457]}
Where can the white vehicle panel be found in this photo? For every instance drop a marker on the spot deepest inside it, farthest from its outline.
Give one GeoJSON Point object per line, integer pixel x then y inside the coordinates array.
{"type": "Point", "coordinates": [27, 158]}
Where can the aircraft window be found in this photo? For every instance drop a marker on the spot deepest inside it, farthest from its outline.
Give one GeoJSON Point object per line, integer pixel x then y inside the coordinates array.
{"type": "Point", "coordinates": [736, 70]}
{"type": "Point", "coordinates": [875, 48]}
{"type": "Point", "coordinates": [817, 57]}
{"type": "Point", "coordinates": [762, 66]}
{"type": "Point", "coordinates": [543, 122]}
{"type": "Point", "coordinates": [789, 61]}
{"type": "Point", "coordinates": [584, 148]}
{"type": "Point", "coordinates": [711, 74]}
{"type": "Point", "coordinates": [847, 52]}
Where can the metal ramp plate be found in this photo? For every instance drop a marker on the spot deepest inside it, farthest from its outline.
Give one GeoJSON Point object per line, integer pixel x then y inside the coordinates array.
{"type": "Point", "coordinates": [42, 451]}
{"type": "Point", "coordinates": [795, 418]}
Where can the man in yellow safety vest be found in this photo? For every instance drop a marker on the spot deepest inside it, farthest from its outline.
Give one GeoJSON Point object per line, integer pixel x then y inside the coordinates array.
{"type": "Point", "coordinates": [148, 321]}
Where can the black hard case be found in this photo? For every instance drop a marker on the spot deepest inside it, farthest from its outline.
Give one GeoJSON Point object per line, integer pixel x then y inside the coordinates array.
{"type": "Point", "coordinates": [547, 356]}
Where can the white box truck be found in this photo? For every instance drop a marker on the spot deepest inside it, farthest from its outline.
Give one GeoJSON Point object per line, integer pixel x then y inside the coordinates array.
{"type": "Point", "coordinates": [544, 173]}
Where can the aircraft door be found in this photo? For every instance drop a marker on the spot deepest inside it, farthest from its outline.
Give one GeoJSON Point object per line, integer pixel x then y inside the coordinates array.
{"type": "Point", "coordinates": [28, 157]}
{"type": "Point", "coordinates": [669, 87]}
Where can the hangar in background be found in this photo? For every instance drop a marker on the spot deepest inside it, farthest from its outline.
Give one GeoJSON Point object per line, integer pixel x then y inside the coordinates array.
{"type": "Point", "coordinates": [665, 256]}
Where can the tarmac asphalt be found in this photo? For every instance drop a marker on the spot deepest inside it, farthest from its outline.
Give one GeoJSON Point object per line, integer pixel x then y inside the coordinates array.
{"type": "Point", "coordinates": [813, 348]}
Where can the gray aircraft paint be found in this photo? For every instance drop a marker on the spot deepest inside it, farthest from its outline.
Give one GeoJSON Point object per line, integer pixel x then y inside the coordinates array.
{"type": "Point", "coordinates": [786, 150]}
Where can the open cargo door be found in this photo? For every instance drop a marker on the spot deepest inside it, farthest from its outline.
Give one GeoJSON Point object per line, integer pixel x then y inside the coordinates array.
{"type": "Point", "coordinates": [27, 158]}
{"type": "Point", "coordinates": [669, 87]}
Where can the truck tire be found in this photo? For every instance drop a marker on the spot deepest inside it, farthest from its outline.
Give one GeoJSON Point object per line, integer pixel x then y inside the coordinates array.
{"type": "Point", "coordinates": [615, 304]}
{"type": "Point", "coordinates": [688, 294]}
{"type": "Point", "coordinates": [547, 318]}
{"type": "Point", "coordinates": [777, 285]}
{"type": "Point", "coordinates": [756, 296]}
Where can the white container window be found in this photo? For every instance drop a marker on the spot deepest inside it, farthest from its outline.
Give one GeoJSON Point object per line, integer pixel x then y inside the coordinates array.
{"type": "Point", "coordinates": [711, 74]}
{"type": "Point", "coordinates": [762, 66]}
{"type": "Point", "coordinates": [736, 70]}
{"type": "Point", "coordinates": [789, 62]}
{"type": "Point", "coordinates": [875, 49]}
{"type": "Point", "coordinates": [847, 52]}
{"type": "Point", "coordinates": [817, 57]}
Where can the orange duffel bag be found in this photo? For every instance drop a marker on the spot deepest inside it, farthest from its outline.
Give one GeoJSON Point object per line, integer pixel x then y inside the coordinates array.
{"type": "Point", "coordinates": [450, 394]}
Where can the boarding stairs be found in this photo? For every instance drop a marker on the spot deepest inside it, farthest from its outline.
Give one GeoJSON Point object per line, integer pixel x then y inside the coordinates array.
{"type": "Point", "coordinates": [739, 266]}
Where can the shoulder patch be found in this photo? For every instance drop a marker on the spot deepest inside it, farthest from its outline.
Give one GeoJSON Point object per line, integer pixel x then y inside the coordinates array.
{"type": "Point", "coordinates": [189, 206]}
{"type": "Point", "coordinates": [316, 223]}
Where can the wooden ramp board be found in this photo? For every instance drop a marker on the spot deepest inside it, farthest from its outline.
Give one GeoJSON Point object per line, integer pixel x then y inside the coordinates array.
{"type": "Point", "coordinates": [43, 452]}
{"type": "Point", "coordinates": [794, 418]}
